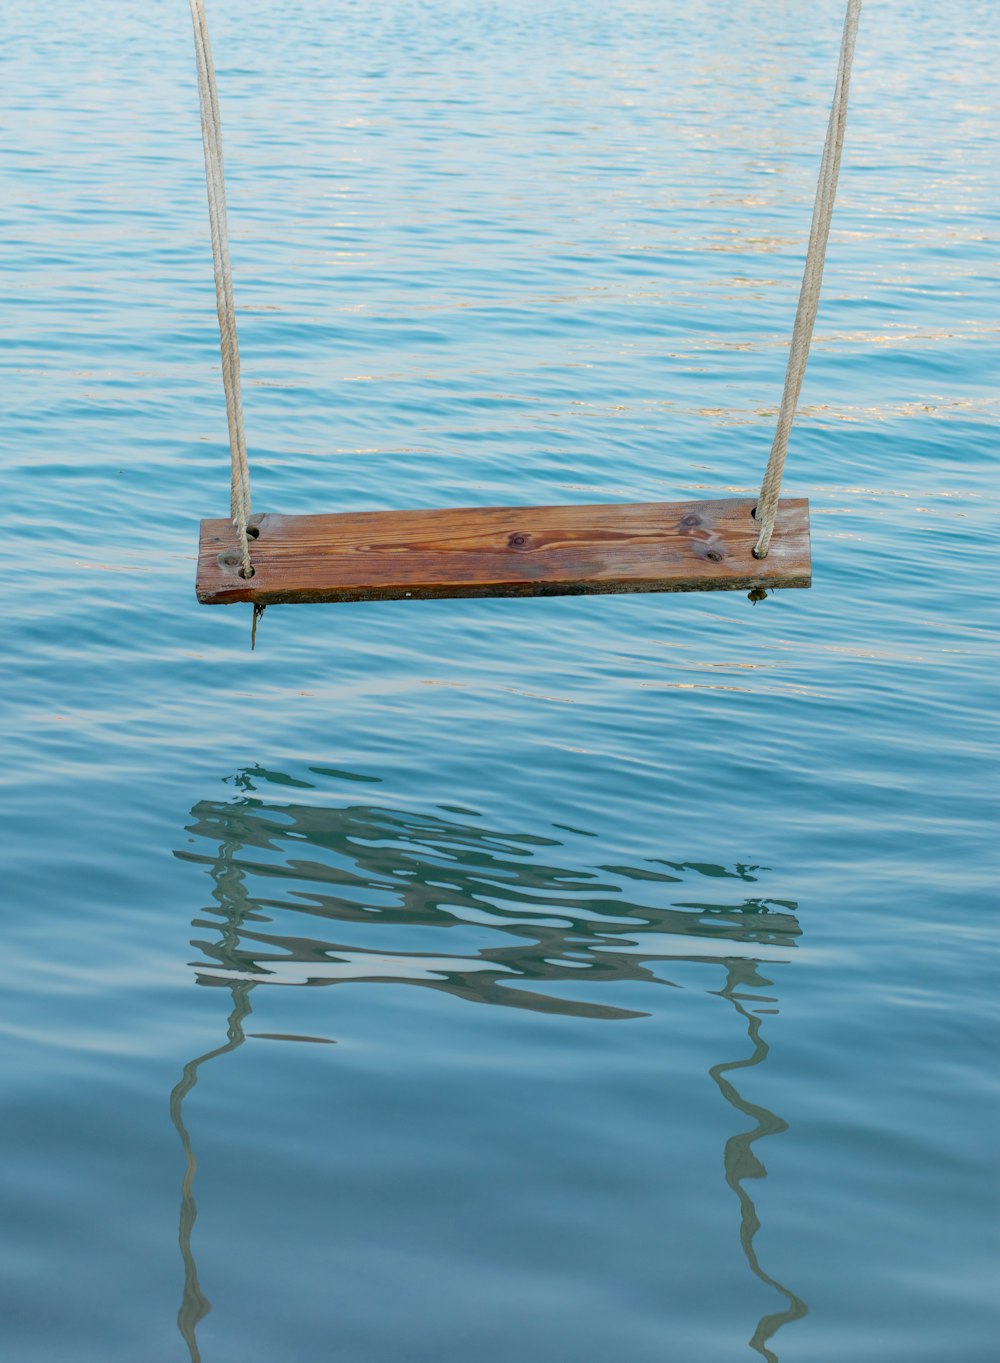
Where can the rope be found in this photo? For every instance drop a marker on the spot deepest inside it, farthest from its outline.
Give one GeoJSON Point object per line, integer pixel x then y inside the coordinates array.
{"type": "Point", "coordinates": [211, 136]}
{"type": "Point", "coordinates": [812, 279]}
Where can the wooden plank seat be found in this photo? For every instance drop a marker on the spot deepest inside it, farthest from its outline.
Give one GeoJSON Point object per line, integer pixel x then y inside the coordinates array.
{"type": "Point", "coordinates": [505, 551]}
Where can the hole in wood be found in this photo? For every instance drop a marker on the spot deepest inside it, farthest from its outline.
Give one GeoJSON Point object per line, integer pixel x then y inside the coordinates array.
{"type": "Point", "coordinates": [246, 572]}
{"type": "Point", "coordinates": [253, 532]}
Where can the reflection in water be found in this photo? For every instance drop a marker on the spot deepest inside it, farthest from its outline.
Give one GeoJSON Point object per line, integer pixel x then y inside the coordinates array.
{"type": "Point", "coordinates": [230, 894]}
{"type": "Point", "coordinates": [194, 1303]}
{"type": "Point", "coordinates": [381, 884]}
{"type": "Point", "coordinates": [740, 1160]}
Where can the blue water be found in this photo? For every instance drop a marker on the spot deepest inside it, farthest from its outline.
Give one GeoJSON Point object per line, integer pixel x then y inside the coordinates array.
{"type": "Point", "coordinates": [654, 936]}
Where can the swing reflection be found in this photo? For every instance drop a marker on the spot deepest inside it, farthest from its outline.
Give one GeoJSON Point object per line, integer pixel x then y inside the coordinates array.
{"type": "Point", "coordinates": [381, 883]}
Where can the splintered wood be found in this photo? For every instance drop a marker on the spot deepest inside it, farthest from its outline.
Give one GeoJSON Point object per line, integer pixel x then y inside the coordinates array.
{"type": "Point", "coordinates": [505, 551]}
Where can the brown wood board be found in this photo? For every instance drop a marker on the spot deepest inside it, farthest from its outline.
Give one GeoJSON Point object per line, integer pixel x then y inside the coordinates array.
{"type": "Point", "coordinates": [505, 551]}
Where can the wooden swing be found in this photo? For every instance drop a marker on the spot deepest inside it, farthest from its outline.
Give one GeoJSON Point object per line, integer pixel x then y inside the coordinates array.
{"type": "Point", "coordinates": [504, 551]}
{"type": "Point", "coordinates": [744, 543]}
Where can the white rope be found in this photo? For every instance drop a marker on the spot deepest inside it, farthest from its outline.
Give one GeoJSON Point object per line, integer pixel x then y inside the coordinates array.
{"type": "Point", "coordinates": [812, 279]}
{"type": "Point", "coordinates": [211, 135]}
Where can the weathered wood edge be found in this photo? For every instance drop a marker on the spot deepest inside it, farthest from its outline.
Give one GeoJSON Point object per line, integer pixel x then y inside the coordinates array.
{"type": "Point", "coordinates": [788, 565]}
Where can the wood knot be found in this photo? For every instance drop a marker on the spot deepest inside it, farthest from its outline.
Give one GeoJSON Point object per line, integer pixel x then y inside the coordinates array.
{"type": "Point", "coordinates": [691, 519]}
{"type": "Point", "coordinates": [519, 541]}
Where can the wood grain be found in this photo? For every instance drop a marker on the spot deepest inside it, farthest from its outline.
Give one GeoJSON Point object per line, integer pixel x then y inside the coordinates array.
{"type": "Point", "coordinates": [505, 551]}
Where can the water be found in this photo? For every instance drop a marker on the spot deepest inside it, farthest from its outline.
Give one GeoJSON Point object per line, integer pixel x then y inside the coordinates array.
{"type": "Point", "coordinates": [574, 979]}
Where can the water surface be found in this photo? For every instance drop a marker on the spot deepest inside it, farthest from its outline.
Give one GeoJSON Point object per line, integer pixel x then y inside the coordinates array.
{"type": "Point", "coordinates": [585, 979]}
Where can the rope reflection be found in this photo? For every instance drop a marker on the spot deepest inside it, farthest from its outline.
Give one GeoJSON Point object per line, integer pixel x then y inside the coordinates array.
{"type": "Point", "coordinates": [739, 1159]}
